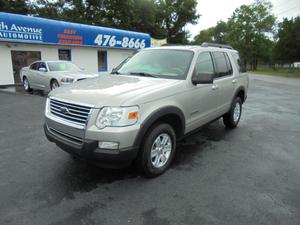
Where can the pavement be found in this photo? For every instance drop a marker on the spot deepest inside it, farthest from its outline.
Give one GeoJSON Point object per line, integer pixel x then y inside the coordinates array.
{"type": "Point", "coordinates": [249, 175]}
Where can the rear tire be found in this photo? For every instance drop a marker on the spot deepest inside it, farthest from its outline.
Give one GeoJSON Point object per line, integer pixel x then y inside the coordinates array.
{"type": "Point", "coordinates": [54, 84]}
{"type": "Point", "coordinates": [26, 84]}
{"type": "Point", "coordinates": [158, 150]}
{"type": "Point", "coordinates": [232, 118]}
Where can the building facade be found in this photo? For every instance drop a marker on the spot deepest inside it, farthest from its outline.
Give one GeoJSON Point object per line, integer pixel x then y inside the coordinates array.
{"type": "Point", "coordinates": [25, 39]}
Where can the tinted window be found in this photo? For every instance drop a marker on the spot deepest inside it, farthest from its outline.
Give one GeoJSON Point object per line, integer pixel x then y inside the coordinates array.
{"type": "Point", "coordinates": [229, 66]}
{"type": "Point", "coordinates": [204, 64]}
{"type": "Point", "coordinates": [34, 66]}
{"type": "Point", "coordinates": [42, 65]}
{"type": "Point", "coordinates": [223, 66]}
{"type": "Point", "coordinates": [64, 54]}
{"type": "Point", "coordinates": [102, 61]}
{"type": "Point", "coordinates": [164, 63]}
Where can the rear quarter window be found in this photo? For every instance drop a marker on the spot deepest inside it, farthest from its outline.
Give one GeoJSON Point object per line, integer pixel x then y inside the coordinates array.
{"type": "Point", "coordinates": [238, 62]}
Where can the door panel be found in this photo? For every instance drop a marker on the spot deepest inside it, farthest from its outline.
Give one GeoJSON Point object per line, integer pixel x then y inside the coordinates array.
{"type": "Point", "coordinates": [41, 77]}
{"type": "Point", "coordinates": [225, 80]}
{"type": "Point", "coordinates": [204, 98]}
{"type": "Point", "coordinates": [32, 75]}
{"type": "Point", "coordinates": [203, 105]}
{"type": "Point", "coordinates": [226, 89]}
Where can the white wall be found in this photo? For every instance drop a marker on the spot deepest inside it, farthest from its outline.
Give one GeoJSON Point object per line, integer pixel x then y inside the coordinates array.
{"type": "Point", "coordinates": [86, 57]}
{"type": "Point", "coordinates": [115, 56]}
{"type": "Point", "coordinates": [6, 71]}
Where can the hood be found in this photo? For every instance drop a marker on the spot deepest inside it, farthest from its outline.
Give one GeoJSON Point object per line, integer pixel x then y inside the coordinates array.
{"type": "Point", "coordinates": [110, 90]}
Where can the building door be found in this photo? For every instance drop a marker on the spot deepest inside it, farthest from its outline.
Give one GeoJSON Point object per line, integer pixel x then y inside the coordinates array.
{"type": "Point", "coordinates": [21, 59]}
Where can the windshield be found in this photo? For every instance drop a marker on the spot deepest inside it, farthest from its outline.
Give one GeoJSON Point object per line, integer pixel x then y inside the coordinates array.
{"type": "Point", "coordinates": [63, 66]}
{"type": "Point", "coordinates": [163, 63]}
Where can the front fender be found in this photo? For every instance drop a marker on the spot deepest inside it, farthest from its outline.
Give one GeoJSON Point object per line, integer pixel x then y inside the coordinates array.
{"type": "Point", "coordinates": [154, 117]}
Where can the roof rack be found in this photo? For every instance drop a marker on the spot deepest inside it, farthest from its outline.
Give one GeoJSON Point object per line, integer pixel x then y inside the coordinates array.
{"type": "Point", "coordinates": [206, 44]}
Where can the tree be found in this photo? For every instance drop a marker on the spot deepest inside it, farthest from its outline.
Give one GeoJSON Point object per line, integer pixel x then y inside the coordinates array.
{"type": "Point", "coordinates": [217, 34]}
{"type": "Point", "coordinates": [287, 48]}
{"type": "Point", "coordinates": [250, 28]}
{"type": "Point", "coordinates": [174, 15]}
{"type": "Point", "coordinates": [14, 6]}
{"type": "Point", "coordinates": [160, 18]}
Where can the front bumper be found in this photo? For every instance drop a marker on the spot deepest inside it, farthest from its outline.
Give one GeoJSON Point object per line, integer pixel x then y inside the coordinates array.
{"type": "Point", "coordinates": [88, 150]}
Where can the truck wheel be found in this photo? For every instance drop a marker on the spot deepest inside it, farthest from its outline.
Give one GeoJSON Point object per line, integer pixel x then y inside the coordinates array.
{"type": "Point", "coordinates": [232, 118]}
{"type": "Point", "coordinates": [54, 84]}
{"type": "Point", "coordinates": [158, 150]}
{"type": "Point", "coordinates": [26, 84]}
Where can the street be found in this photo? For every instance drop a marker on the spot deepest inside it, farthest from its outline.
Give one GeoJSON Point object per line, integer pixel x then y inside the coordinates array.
{"type": "Point", "coordinates": [249, 175]}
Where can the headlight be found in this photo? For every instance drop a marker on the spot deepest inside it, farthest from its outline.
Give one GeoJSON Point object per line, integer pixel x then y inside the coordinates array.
{"type": "Point", "coordinates": [47, 108]}
{"type": "Point", "coordinates": [117, 116]}
{"type": "Point", "coordinates": [67, 80]}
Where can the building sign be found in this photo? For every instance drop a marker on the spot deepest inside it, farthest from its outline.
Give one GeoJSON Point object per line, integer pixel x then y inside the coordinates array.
{"type": "Point", "coordinates": [19, 28]}
{"type": "Point", "coordinates": [70, 37]}
{"type": "Point", "coordinates": [15, 32]}
{"type": "Point", "coordinates": [158, 42]}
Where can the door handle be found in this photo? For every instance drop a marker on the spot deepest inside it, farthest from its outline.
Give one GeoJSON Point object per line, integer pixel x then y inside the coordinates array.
{"type": "Point", "coordinates": [234, 81]}
{"type": "Point", "coordinates": [215, 87]}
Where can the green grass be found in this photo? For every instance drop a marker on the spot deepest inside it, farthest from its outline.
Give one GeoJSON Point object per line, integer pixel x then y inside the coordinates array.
{"type": "Point", "coordinates": [278, 72]}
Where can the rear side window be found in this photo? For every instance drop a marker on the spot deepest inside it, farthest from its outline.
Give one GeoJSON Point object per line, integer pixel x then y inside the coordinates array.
{"type": "Point", "coordinates": [34, 66]}
{"type": "Point", "coordinates": [223, 65]}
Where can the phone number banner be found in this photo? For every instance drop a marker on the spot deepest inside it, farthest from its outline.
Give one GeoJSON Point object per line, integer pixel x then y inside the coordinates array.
{"type": "Point", "coordinates": [19, 28]}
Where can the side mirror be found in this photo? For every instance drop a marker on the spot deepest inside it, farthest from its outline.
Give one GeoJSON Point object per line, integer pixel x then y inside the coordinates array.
{"type": "Point", "coordinates": [202, 78]}
{"type": "Point", "coordinates": [42, 69]}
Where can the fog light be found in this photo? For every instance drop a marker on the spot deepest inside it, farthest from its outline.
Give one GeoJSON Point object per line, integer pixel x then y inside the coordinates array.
{"type": "Point", "coordinates": [108, 145]}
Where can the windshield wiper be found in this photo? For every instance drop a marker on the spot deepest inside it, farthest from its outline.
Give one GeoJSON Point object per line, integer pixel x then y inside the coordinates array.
{"type": "Point", "coordinates": [115, 72]}
{"type": "Point", "coordinates": [143, 74]}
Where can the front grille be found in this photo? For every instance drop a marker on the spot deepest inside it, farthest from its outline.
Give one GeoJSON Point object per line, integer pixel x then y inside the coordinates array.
{"type": "Point", "coordinates": [74, 113]}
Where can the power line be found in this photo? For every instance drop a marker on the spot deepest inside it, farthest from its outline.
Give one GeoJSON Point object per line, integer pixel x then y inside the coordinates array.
{"type": "Point", "coordinates": [287, 10]}
{"type": "Point", "coordinates": [283, 3]}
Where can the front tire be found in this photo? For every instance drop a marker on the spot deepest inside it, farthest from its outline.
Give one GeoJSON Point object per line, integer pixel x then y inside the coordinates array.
{"type": "Point", "coordinates": [232, 118]}
{"type": "Point", "coordinates": [54, 84]}
{"type": "Point", "coordinates": [26, 84]}
{"type": "Point", "coordinates": [158, 150]}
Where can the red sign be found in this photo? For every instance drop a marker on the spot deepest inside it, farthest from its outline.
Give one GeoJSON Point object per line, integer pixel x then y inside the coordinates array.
{"type": "Point", "coordinates": [69, 37]}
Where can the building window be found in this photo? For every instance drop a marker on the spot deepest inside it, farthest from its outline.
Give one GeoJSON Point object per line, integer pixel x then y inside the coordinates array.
{"type": "Point", "coordinates": [64, 54]}
{"type": "Point", "coordinates": [102, 61]}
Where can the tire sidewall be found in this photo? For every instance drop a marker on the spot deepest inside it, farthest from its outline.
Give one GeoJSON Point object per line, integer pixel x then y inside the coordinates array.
{"type": "Point", "coordinates": [239, 101]}
{"type": "Point", "coordinates": [147, 165]}
{"type": "Point", "coordinates": [28, 89]}
{"type": "Point", "coordinates": [51, 84]}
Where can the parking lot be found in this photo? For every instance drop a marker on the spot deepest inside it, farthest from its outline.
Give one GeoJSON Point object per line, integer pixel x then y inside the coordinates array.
{"type": "Point", "coordinates": [249, 175]}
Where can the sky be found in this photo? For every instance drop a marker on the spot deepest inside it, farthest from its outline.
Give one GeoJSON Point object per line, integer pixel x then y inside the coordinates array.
{"type": "Point", "coordinates": [212, 11]}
